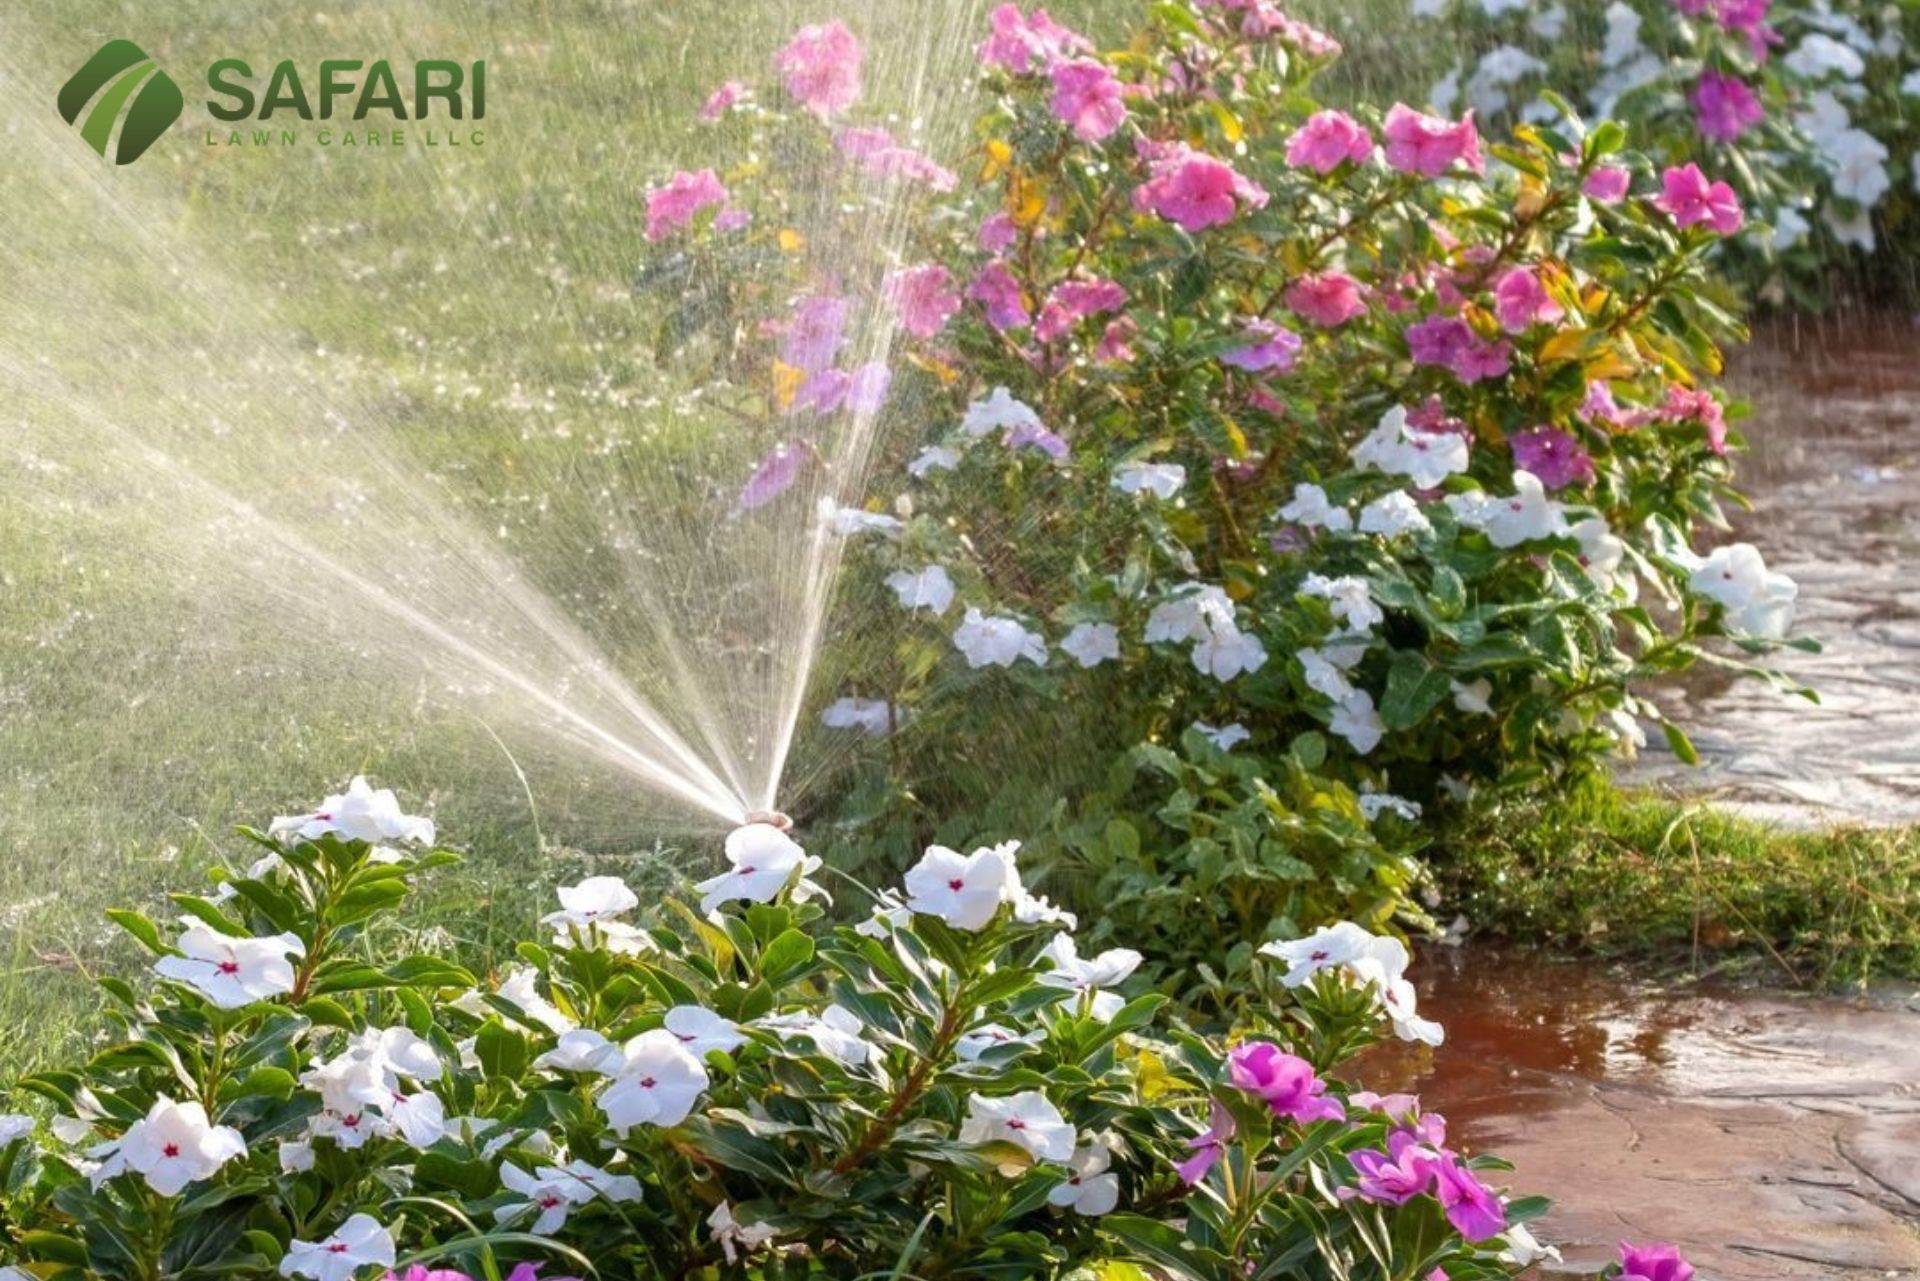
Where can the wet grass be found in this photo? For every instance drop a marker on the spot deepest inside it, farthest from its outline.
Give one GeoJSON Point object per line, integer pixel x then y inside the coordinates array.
{"type": "Point", "coordinates": [1633, 874]}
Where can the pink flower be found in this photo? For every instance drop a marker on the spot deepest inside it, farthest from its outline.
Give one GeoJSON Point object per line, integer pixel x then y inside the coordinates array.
{"type": "Point", "coordinates": [1608, 184]}
{"type": "Point", "coordinates": [1394, 1177]}
{"type": "Point", "coordinates": [673, 206]}
{"type": "Point", "coordinates": [1557, 457]}
{"type": "Point", "coordinates": [722, 101]}
{"type": "Point", "coordinates": [996, 290]}
{"type": "Point", "coordinates": [1653, 1263]}
{"type": "Point", "coordinates": [1418, 143]}
{"type": "Point", "coordinates": [1074, 300]}
{"type": "Point", "coordinates": [814, 334]}
{"type": "Point", "coordinates": [1471, 1207]}
{"type": "Point", "coordinates": [1021, 44]}
{"type": "Point", "coordinates": [1326, 298]}
{"type": "Point", "coordinates": [1087, 98]}
{"type": "Point", "coordinates": [867, 387]}
{"type": "Point", "coordinates": [924, 297]}
{"type": "Point", "coordinates": [1328, 140]}
{"type": "Point", "coordinates": [876, 154]}
{"type": "Point", "coordinates": [775, 475]}
{"type": "Point", "coordinates": [1209, 1147]}
{"type": "Point", "coordinates": [1450, 342]}
{"type": "Point", "coordinates": [1272, 350]}
{"type": "Point", "coordinates": [1285, 1082]}
{"type": "Point", "coordinates": [1689, 199]}
{"type": "Point", "coordinates": [1749, 18]}
{"type": "Point", "coordinates": [821, 68]}
{"type": "Point", "coordinates": [1520, 300]}
{"type": "Point", "coordinates": [997, 233]}
{"type": "Point", "coordinates": [417, 1273]}
{"type": "Point", "coordinates": [1683, 405]}
{"type": "Point", "coordinates": [1599, 405]}
{"type": "Point", "coordinates": [1195, 191]}
{"type": "Point", "coordinates": [1724, 106]}
{"type": "Point", "coordinates": [1116, 342]}
{"type": "Point", "coordinates": [822, 393]}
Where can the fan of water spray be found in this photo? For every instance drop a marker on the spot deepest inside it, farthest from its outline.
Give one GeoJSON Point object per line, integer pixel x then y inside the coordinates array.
{"type": "Point", "coordinates": [309, 459]}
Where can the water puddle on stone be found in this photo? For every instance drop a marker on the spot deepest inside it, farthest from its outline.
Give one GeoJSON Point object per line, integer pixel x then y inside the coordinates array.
{"type": "Point", "coordinates": [1834, 472]}
{"type": "Point", "coordinates": [1768, 1135]}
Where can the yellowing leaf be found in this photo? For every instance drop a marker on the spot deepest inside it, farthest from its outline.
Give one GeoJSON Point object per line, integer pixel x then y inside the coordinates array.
{"type": "Point", "coordinates": [1236, 438]}
{"type": "Point", "coordinates": [791, 241]}
{"type": "Point", "coordinates": [786, 384]}
{"type": "Point", "coordinates": [938, 368]}
{"type": "Point", "coordinates": [1229, 123]}
{"type": "Point", "coordinates": [1150, 1071]}
{"type": "Point", "coordinates": [1026, 199]}
{"type": "Point", "coordinates": [999, 156]}
{"type": "Point", "coordinates": [1612, 361]}
{"type": "Point", "coordinates": [1568, 344]}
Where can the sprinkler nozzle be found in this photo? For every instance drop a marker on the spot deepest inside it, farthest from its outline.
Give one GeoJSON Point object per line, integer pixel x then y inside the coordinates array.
{"type": "Point", "coordinates": [771, 818]}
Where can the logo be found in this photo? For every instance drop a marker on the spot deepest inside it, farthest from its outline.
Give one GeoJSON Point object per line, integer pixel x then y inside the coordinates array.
{"type": "Point", "coordinates": [127, 84]}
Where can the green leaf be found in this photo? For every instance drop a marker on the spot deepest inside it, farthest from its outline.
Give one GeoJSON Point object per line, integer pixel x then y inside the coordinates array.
{"type": "Point", "coordinates": [144, 931]}
{"type": "Point", "coordinates": [1679, 743]}
{"type": "Point", "coordinates": [503, 1051]}
{"type": "Point", "coordinates": [785, 957]}
{"type": "Point", "coordinates": [1414, 688]}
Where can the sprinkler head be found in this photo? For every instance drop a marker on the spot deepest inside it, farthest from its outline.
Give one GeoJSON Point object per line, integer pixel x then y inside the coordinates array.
{"type": "Point", "coordinates": [771, 818]}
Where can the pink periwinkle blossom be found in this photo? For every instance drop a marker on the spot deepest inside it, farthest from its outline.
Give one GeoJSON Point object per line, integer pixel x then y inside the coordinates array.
{"type": "Point", "coordinates": [821, 393]}
{"type": "Point", "coordinates": [1471, 1206]}
{"type": "Point", "coordinates": [1690, 199]}
{"type": "Point", "coordinates": [1074, 301]}
{"type": "Point", "coordinates": [1418, 143]}
{"type": "Point", "coordinates": [1608, 184]}
{"type": "Point", "coordinates": [821, 68]}
{"type": "Point", "coordinates": [924, 298]}
{"type": "Point", "coordinates": [1659, 1262]}
{"type": "Point", "coordinates": [1088, 98]}
{"type": "Point", "coordinates": [998, 292]}
{"type": "Point", "coordinates": [1450, 342]}
{"type": "Point", "coordinates": [1598, 406]}
{"type": "Point", "coordinates": [1556, 456]}
{"type": "Point", "coordinates": [814, 335]}
{"type": "Point", "coordinates": [997, 233]}
{"type": "Point", "coordinates": [722, 100]}
{"type": "Point", "coordinates": [1724, 106]}
{"type": "Point", "coordinates": [1260, 19]}
{"type": "Point", "coordinates": [867, 387]}
{"type": "Point", "coordinates": [1285, 1082]}
{"type": "Point", "coordinates": [1683, 405]}
{"type": "Point", "coordinates": [1272, 349]}
{"type": "Point", "coordinates": [775, 474]}
{"type": "Point", "coordinates": [673, 206]}
{"type": "Point", "coordinates": [1326, 298]}
{"type": "Point", "coordinates": [1116, 342]}
{"type": "Point", "coordinates": [1020, 44]}
{"type": "Point", "coordinates": [1749, 18]}
{"type": "Point", "coordinates": [1431, 416]}
{"type": "Point", "coordinates": [1195, 190]}
{"type": "Point", "coordinates": [1394, 1177]}
{"type": "Point", "coordinates": [1521, 300]}
{"type": "Point", "coordinates": [877, 155]}
{"type": "Point", "coordinates": [1406, 1114]}
{"type": "Point", "coordinates": [1208, 1147]}
{"type": "Point", "coordinates": [1328, 140]}
{"type": "Point", "coordinates": [1031, 435]}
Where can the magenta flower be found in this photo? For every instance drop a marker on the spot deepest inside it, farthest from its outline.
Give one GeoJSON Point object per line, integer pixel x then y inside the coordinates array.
{"type": "Point", "coordinates": [1471, 1206]}
{"type": "Point", "coordinates": [1328, 140]}
{"type": "Point", "coordinates": [1403, 1110]}
{"type": "Point", "coordinates": [1599, 405]}
{"type": "Point", "coordinates": [1683, 405]}
{"type": "Point", "coordinates": [1689, 199]}
{"type": "Point", "coordinates": [417, 1273]}
{"type": "Point", "coordinates": [996, 290]}
{"type": "Point", "coordinates": [1272, 350]}
{"type": "Point", "coordinates": [1073, 301]}
{"type": "Point", "coordinates": [1724, 106]}
{"type": "Point", "coordinates": [1608, 184]}
{"type": "Point", "coordinates": [1557, 457]}
{"type": "Point", "coordinates": [1418, 143]}
{"type": "Point", "coordinates": [1196, 191]}
{"type": "Point", "coordinates": [1209, 1147]}
{"type": "Point", "coordinates": [722, 101]}
{"type": "Point", "coordinates": [1394, 1177]}
{"type": "Point", "coordinates": [1087, 98]}
{"type": "Point", "coordinates": [997, 233]}
{"type": "Point", "coordinates": [1326, 298]}
{"type": "Point", "coordinates": [1749, 18]}
{"type": "Point", "coordinates": [775, 475]}
{"type": "Point", "coordinates": [1450, 342]}
{"type": "Point", "coordinates": [1520, 300]}
{"type": "Point", "coordinates": [1284, 1081]}
{"type": "Point", "coordinates": [814, 335]}
{"type": "Point", "coordinates": [821, 392]}
{"type": "Point", "coordinates": [1020, 44]}
{"type": "Point", "coordinates": [1116, 342]}
{"type": "Point", "coordinates": [673, 206]}
{"type": "Point", "coordinates": [1653, 1263]}
{"type": "Point", "coordinates": [924, 297]}
{"type": "Point", "coordinates": [821, 68]}
{"type": "Point", "coordinates": [878, 155]}
{"type": "Point", "coordinates": [1031, 435]}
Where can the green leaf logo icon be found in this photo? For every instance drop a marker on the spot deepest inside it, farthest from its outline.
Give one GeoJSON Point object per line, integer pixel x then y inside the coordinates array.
{"type": "Point", "coordinates": [130, 90]}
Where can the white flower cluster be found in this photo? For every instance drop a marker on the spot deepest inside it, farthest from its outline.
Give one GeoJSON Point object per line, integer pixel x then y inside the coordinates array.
{"type": "Point", "coordinates": [1365, 959]}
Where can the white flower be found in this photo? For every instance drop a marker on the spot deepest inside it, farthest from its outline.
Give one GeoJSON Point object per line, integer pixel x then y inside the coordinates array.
{"type": "Point", "coordinates": [1348, 599]}
{"type": "Point", "coordinates": [521, 989]}
{"type": "Point", "coordinates": [360, 814]}
{"type": "Point", "coordinates": [171, 1146]}
{"type": "Point", "coordinates": [589, 917]}
{"type": "Point", "coordinates": [1026, 1119]}
{"type": "Point", "coordinates": [1910, 84]}
{"type": "Point", "coordinates": [702, 1031]}
{"type": "Point", "coordinates": [991, 1036]}
{"type": "Point", "coordinates": [1602, 555]}
{"type": "Point", "coordinates": [1089, 1190]}
{"type": "Point", "coordinates": [13, 1128]}
{"type": "Point", "coordinates": [1549, 23]}
{"type": "Point", "coordinates": [1758, 602]}
{"type": "Point", "coordinates": [850, 521]}
{"type": "Point", "coordinates": [1162, 480]}
{"type": "Point", "coordinates": [420, 1118]}
{"type": "Point", "coordinates": [1227, 653]}
{"type": "Point", "coordinates": [1374, 804]}
{"type": "Point", "coordinates": [555, 1190]}
{"type": "Point", "coordinates": [1398, 448]}
{"type": "Point", "coordinates": [360, 1243]}
{"type": "Point", "coordinates": [1323, 676]}
{"type": "Point", "coordinates": [835, 1032]}
{"type": "Point", "coordinates": [1523, 1250]}
{"type": "Point", "coordinates": [734, 1237]}
{"type": "Point", "coordinates": [232, 972]}
{"type": "Point", "coordinates": [1817, 56]}
{"type": "Point", "coordinates": [1091, 977]}
{"type": "Point", "coordinates": [1623, 34]}
{"type": "Point", "coordinates": [1194, 612]}
{"type": "Point", "coordinates": [764, 860]}
{"type": "Point", "coordinates": [296, 1156]}
{"type": "Point", "coordinates": [1367, 959]}
{"type": "Point", "coordinates": [1473, 696]}
{"type": "Point", "coordinates": [1852, 229]}
{"type": "Point", "coordinates": [1392, 515]}
{"type": "Point", "coordinates": [1034, 909]}
{"type": "Point", "coordinates": [1090, 644]}
{"type": "Point", "coordinates": [1311, 510]}
{"type": "Point", "coordinates": [658, 1083]}
{"type": "Point", "coordinates": [929, 589]}
{"type": "Point", "coordinates": [997, 642]}
{"type": "Point", "coordinates": [1858, 162]}
{"type": "Point", "coordinates": [964, 890]}
{"type": "Point", "coordinates": [1224, 737]}
{"type": "Point", "coordinates": [1329, 947]}
{"type": "Point", "coordinates": [369, 1071]}
{"type": "Point", "coordinates": [890, 913]}
{"type": "Point", "coordinates": [868, 715]}
{"type": "Point", "coordinates": [1356, 720]}
{"type": "Point", "coordinates": [999, 411]}
{"type": "Point", "coordinates": [582, 1050]}
{"type": "Point", "coordinates": [1527, 516]}
{"type": "Point", "coordinates": [933, 458]}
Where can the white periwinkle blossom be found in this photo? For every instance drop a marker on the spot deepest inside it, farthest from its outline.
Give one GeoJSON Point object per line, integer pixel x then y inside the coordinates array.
{"type": "Point", "coordinates": [360, 1242]}
{"type": "Point", "coordinates": [999, 411]}
{"type": "Point", "coordinates": [1310, 509]}
{"type": "Point", "coordinates": [553, 1191]}
{"type": "Point", "coordinates": [1356, 719]}
{"type": "Point", "coordinates": [997, 641]}
{"type": "Point", "coordinates": [930, 588]}
{"type": "Point", "coordinates": [1366, 959]}
{"type": "Point", "coordinates": [1206, 615]}
{"type": "Point", "coordinates": [1161, 480]}
{"type": "Point", "coordinates": [589, 914]}
{"type": "Point", "coordinates": [1374, 804]}
{"type": "Point", "coordinates": [1090, 1189]}
{"type": "Point", "coordinates": [363, 1090]}
{"type": "Point", "coordinates": [232, 972]}
{"type": "Point", "coordinates": [702, 1031]}
{"type": "Point", "coordinates": [1027, 1119]}
{"type": "Point", "coordinates": [358, 814]}
{"type": "Point", "coordinates": [834, 1031]}
{"type": "Point", "coordinates": [1090, 977]}
{"type": "Point", "coordinates": [1091, 644]}
{"type": "Point", "coordinates": [764, 861]}
{"type": "Point", "coordinates": [14, 1126]}
{"type": "Point", "coordinates": [1474, 697]}
{"type": "Point", "coordinates": [1348, 599]}
{"type": "Point", "coordinates": [1398, 448]}
{"type": "Point", "coordinates": [849, 522]}
{"type": "Point", "coordinates": [1391, 515]}
{"type": "Point", "coordinates": [657, 1083]}
{"type": "Point", "coordinates": [1818, 56]}
{"type": "Point", "coordinates": [932, 459]}
{"type": "Point", "coordinates": [735, 1238]}
{"type": "Point", "coordinates": [173, 1145]}
{"type": "Point", "coordinates": [991, 1036]}
{"type": "Point", "coordinates": [1323, 675]}
{"type": "Point", "coordinates": [582, 1050]}
{"type": "Point", "coordinates": [1528, 516]}
{"type": "Point", "coordinates": [1757, 601]}
{"type": "Point", "coordinates": [872, 716]}
{"type": "Point", "coordinates": [964, 890]}
{"type": "Point", "coordinates": [1603, 556]}
{"type": "Point", "coordinates": [1224, 737]}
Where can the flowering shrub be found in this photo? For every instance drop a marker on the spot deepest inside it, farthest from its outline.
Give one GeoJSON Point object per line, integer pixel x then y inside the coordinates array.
{"type": "Point", "coordinates": [1807, 107]}
{"type": "Point", "coordinates": [950, 1088]}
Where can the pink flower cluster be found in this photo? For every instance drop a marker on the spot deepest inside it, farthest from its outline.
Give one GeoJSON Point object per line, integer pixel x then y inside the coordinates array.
{"type": "Point", "coordinates": [1073, 301]}
{"type": "Point", "coordinates": [673, 206]}
{"type": "Point", "coordinates": [1417, 1162]}
{"type": "Point", "coordinates": [1326, 298]}
{"type": "Point", "coordinates": [1449, 342]}
{"type": "Point", "coordinates": [1426, 145]}
{"type": "Point", "coordinates": [1328, 140]}
{"type": "Point", "coordinates": [821, 68]}
{"type": "Point", "coordinates": [876, 154]}
{"type": "Point", "coordinates": [1088, 98]}
{"type": "Point", "coordinates": [1724, 106]}
{"type": "Point", "coordinates": [1192, 189]}
{"type": "Point", "coordinates": [1285, 1082]}
{"type": "Point", "coordinates": [1020, 44]}
{"type": "Point", "coordinates": [1690, 199]}
{"type": "Point", "coordinates": [1263, 19]}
